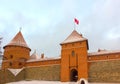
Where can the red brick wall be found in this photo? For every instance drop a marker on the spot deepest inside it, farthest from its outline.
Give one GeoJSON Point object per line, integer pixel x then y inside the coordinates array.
{"type": "Point", "coordinates": [15, 55]}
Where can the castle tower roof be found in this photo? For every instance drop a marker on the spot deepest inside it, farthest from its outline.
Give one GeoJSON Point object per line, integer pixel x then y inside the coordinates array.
{"type": "Point", "coordinates": [74, 37]}
{"type": "Point", "coordinates": [34, 55]}
{"type": "Point", "coordinates": [18, 40]}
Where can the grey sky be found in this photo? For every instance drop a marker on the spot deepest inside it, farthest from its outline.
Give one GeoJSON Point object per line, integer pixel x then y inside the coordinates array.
{"type": "Point", "coordinates": [46, 23]}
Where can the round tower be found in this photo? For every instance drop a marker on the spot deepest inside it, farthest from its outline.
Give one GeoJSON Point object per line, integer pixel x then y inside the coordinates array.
{"type": "Point", "coordinates": [16, 52]}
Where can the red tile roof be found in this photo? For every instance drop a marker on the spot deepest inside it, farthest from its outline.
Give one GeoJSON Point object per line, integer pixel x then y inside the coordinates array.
{"type": "Point", "coordinates": [18, 40]}
{"type": "Point", "coordinates": [74, 37]}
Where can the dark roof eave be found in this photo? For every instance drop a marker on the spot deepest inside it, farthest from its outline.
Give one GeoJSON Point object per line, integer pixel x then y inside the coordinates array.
{"type": "Point", "coordinates": [72, 42]}
{"type": "Point", "coordinates": [17, 46]}
{"type": "Point", "coordinates": [78, 41]}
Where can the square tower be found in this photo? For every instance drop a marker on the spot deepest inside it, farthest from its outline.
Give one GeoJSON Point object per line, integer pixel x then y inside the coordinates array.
{"type": "Point", "coordinates": [74, 57]}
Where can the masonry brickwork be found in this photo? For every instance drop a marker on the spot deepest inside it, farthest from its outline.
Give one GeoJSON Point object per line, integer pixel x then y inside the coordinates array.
{"type": "Point", "coordinates": [104, 71]}
{"type": "Point", "coordinates": [73, 64]}
{"type": "Point", "coordinates": [6, 76]}
{"type": "Point", "coordinates": [49, 73]}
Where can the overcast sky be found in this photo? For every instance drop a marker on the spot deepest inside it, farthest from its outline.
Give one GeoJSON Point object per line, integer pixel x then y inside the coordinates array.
{"type": "Point", "coordinates": [46, 23]}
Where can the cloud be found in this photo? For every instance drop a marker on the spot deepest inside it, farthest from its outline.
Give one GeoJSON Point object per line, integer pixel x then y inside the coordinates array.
{"type": "Point", "coordinates": [46, 24]}
{"type": "Point", "coordinates": [102, 23]}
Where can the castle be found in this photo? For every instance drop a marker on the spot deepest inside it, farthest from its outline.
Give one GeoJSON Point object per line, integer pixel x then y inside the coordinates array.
{"type": "Point", "coordinates": [74, 63]}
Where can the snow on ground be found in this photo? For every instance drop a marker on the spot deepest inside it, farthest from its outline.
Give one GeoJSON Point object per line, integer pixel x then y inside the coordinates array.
{"type": "Point", "coordinates": [41, 82]}
{"type": "Point", "coordinates": [52, 82]}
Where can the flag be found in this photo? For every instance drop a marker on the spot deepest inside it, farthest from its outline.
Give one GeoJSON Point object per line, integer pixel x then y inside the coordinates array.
{"type": "Point", "coordinates": [76, 21]}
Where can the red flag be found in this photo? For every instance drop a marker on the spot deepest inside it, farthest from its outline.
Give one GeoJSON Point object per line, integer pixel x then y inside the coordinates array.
{"type": "Point", "coordinates": [76, 21]}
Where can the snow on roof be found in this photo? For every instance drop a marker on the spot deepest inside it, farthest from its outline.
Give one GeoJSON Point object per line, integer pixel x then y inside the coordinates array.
{"type": "Point", "coordinates": [34, 55]}
{"type": "Point", "coordinates": [18, 40]}
{"type": "Point", "coordinates": [102, 52]}
{"type": "Point", "coordinates": [74, 37]}
{"type": "Point", "coordinates": [43, 59]}
{"type": "Point", "coordinates": [15, 72]}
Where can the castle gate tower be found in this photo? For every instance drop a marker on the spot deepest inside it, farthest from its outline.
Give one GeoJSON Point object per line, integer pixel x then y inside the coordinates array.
{"type": "Point", "coordinates": [74, 57]}
{"type": "Point", "coordinates": [16, 52]}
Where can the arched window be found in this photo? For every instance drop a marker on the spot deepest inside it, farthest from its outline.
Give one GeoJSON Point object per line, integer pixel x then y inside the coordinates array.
{"type": "Point", "coordinates": [73, 53]}
{"type": "Point", "coordinates": [10, 64]}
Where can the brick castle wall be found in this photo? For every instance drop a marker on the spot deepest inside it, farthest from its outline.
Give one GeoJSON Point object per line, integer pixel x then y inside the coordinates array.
{"type": "Point", "coordinates": [100, 71]}
{"type": "Point", "coordinates": [49, 72]}
{"type": "Point", "coordinates": [6, 76]}
{"type": "Point", "coordinates": [104, 71]}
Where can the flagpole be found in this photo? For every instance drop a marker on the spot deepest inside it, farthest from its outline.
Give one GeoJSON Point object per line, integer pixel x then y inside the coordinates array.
{"type": "Point", "coordinates": [74, 26]}
{"type": "Point", "coordinates": [20, 28]}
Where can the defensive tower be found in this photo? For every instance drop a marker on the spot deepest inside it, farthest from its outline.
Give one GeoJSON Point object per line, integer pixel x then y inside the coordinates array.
{"type": "Point", "coordinates": [74, 57]}
{"type": "Point", "coordinates": [16, 52]}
